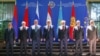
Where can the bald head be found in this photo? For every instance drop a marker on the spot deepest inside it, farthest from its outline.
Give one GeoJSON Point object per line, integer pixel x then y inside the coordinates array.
{"type": "Point", "coordinates": [78, 22]}
{"type": "Point", "coordinates": [23, 23]}
{"type": "Point", "coordinates": [92, 22]}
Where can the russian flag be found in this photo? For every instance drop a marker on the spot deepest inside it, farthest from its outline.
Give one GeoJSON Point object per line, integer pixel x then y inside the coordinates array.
{"type": "Point", "coordinates": [15, 21]}
{"type": "Point", "coordinates": [37, 11]}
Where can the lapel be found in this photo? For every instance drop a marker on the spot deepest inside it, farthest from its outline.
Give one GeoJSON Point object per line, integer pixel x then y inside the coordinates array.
{"type": "Point", "coordinates": [76, 28]}
{"type": "Point", "coordinates": [46, 27]}
{"type": "Point", "coordinates": [33, 27]}
{"type": "Point", "coordinates": [21, 28]}
{"type": "Point", "coordinates": [90, 27]}
{"type": "Point", "coordinates": [60, 27]}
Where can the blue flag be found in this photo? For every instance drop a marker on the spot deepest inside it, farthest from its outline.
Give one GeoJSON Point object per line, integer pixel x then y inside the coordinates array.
{"type": "Point", "coordinates": [60, 17]}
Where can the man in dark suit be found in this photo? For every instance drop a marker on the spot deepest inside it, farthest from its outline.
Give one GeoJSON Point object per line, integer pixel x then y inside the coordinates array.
{"type": "Point", "coordinates": [63, 36]}
{"type": "Point", "coordinates": [36, 34]}
{"type": "Point", "coordinates": [49, 36]}
{"type": "Point", "coordinates": [78, 35]}
{"type": "Point", "coordinates": [23, 35]}
{"type": "Point", "coordinates": [9, 36]}
{"type": "Point", "coordinates": [92, 36]}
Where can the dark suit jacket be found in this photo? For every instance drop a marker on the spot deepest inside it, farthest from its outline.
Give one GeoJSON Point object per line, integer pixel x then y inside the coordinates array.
{"type": "Point", "coordinates": [36, 34]}
{"type": "Point", "coordinates": [23, 33]}
{"type": "Point", "coordinates": [63, 33]}
{"type": "Point", "coordinates": [48, 34]}
{"type": "Point", "coordinates": [78, 33]}
{"type": "Point", "coordinates": [9, 35]}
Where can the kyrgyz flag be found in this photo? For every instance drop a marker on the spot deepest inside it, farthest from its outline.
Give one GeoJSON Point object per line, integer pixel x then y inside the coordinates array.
{"type": "Point", "coordinates": [72, 22]}
{"type": "Point", "coordinates": [26, 15]}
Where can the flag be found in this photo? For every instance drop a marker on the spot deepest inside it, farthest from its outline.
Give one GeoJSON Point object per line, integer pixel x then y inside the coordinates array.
{"type": "Point", "coordinates": [49, 14]}
{"type": "Point", "coordinates": [26, 15]}
{"type": "Point", "coordinates": [72, 22]}
{"type": "Point", "coordinates": [37, 11]}
{"type": "Point", "coordinates": [86, 22]}
{"type": "Point", "coordinates": [15, 21]}
{"type": "Point", "coordinates": [60, 17]}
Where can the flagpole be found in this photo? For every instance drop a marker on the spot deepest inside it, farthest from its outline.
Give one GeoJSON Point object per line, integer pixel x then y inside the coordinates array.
{"type": "Point", "coordinates": [73, 3]}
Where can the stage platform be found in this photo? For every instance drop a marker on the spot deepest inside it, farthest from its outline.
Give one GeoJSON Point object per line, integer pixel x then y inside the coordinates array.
{"type": "Point", "coordinates": [56, 49]}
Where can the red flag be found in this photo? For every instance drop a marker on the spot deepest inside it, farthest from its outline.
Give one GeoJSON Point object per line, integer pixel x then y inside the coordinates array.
{"type": "Point", "coordinates": [49, 13]}
{"type": "Point", "coordinates": [26, 15]}
{"type": "Point", "coordinates": [72, 22]}
{"type": "Point", "coordinates": [15, 20]}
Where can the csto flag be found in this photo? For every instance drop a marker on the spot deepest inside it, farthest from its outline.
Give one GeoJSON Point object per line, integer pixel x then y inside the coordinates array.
{"type": "Point", "coordinates": [60, 17]}
{"type": "Point", "coordinates": [72, 22]}
{"type": "Point", "coordinates": [15, 21]}
{"type": "Point", "coordinates": [86, 19]}
{"type": "Point", "coordinates": [26, 15]}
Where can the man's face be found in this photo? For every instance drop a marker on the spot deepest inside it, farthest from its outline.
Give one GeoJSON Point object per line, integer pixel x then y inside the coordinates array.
{"type": "Point", "coordinates": [48, 23]}
{"type": "Point", "coordinates": [92, 23]}
{"type": "Point", "coordinates": [9, 25]}
{"type": "Point", "coordinates": [23, 24]}
{"type": "Point", "coordinates": [78, 23]}
{"type": "Point", "coordinates": [35, 22]}
{"type": "Point", "coordinates": [63, 23]}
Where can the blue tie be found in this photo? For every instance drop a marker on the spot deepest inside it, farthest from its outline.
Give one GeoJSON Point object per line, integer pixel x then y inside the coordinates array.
{"type": "Point", "coordinates": [36, 28]}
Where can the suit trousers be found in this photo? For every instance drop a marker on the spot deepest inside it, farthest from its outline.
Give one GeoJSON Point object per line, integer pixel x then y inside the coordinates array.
{"type": "Point", "coordinates": [79, 46]}
{"type": "Point", "coordinates": [49, 44]}
{"type": "Point", "coordinates": [63, 42]}
{"type": "Point", "coordinates": [9, 46]}
{"type": "Point", "coordinates": [92, 46]}
{"type": "Point", "coordinates": [34, 44]}
{"type": "Point", "coordinates": [23, 47]}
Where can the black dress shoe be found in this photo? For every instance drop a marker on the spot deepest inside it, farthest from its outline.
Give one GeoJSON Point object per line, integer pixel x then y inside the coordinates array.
{"type": "Point", "coordinates": [38, 54]}
{"type": "Point", "coordinates": [47, 54]}
{"type": "Point", "coordinates": [76, 54]}
{"type": "Point", "coordinates": [65, 55]}
{"type": "Point", "coordinates": [60, 55]}
{"type": "Point", "coordinates": [80, 54]}
{"type": "Point", "coordinates": [94, 55]}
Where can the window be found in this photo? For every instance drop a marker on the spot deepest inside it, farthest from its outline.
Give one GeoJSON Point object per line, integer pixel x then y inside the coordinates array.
{"type": "Point", "coordinates": [95, 14]}
{"type": "Point", "coordinates": [6, 15]}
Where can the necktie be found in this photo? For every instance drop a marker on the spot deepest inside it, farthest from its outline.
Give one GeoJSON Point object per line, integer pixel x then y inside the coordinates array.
{"type": "Point", "coordinates": [48, 28]}
{"type": "Point", "coordinates": [36, 28]}
{"type": "Point", "coordinates": [63, 27]}
{"type": "Point", "coordinates": [78, 27]}
{"type": "Point", "coordinates": [9, 29]}
{"type": "Point", "coordinates": [23, 28]}
{"type": "Point", "coordinates": [93, 27]}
